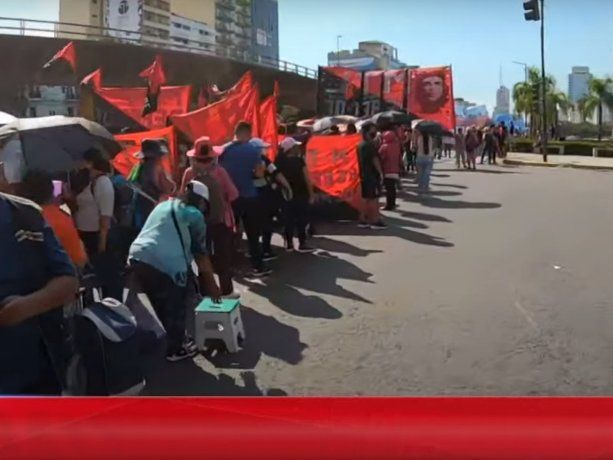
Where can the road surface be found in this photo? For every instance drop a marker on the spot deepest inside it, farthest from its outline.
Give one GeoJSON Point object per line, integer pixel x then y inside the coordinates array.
{"type": "Point", "coordinates": [500, 283]}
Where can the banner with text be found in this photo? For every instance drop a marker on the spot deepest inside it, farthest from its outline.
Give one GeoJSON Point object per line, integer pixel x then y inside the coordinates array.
{"type": "Point", "coordinates": [332, 162]}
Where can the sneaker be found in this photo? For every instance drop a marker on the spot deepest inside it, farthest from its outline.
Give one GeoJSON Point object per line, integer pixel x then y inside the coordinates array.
{"type": "Point", "coordinates": [305, 248]}
{"type": "Point", "coordinates": [268, 255]}
{"type": "Point", "coordinates": [378, 226]}
{"type": "Point", "coordinates": [181, 354]}
{"type": "Point", "coordinates": [260, 272]}
{"type": "Point", "coordinates": [363, 225]}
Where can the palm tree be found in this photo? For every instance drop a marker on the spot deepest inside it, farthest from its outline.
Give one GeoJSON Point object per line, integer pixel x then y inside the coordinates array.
{"type": "Point", "coordinates": [599, 93]}
{"type": "Point", "coordinates": [526, 97]}
{"type": "Point", "coordinates": [557, 101]}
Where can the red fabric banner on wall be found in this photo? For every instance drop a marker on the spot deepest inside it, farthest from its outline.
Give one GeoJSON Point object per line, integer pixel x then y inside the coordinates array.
{"type": "Point", "coordinates": [393, 87]}
{"type": "Point", "coordinates": [215, 120]}
{"type": "Point", "coordinates": [125, 160]}
{"type": "Point", "coordinates": [172, 100]}
{"type": "Point", "coordinates": [333, 165]}
{"type": "Point", "coordinates": [431, 95]}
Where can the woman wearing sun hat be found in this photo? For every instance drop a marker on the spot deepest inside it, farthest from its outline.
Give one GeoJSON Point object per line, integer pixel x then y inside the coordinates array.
{"type": "Point", "coordinates": [219, 218]}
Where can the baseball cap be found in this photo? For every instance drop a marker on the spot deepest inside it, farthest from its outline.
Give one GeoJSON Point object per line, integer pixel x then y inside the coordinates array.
{"type": "Point", "coordinates": [288, 143]}
{"type": "Point", "coordinates": [199, 189]}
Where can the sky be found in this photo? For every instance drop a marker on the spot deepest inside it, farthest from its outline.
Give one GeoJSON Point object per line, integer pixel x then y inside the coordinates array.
{"type": "Point", "coordinates": [477, 37]}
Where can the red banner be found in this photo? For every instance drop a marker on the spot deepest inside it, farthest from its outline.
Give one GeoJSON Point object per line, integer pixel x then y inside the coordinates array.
{"type": "Point", "coordinates": [332, 162]}
{"type": "Point", "coordinates": [172, 100]}
{"type": "Point", "coordinates": [216, 120]}
{"type": "Point", "coordinates": [307, 428]}
{"type": "Point", "coordinates": [125, 160]}
{"type": "Point", "coordinates": [394, 85]}
{"type": "Point", "coordinates": [431, 95]}
{"type": "Point", "coordinates": [268, 125]}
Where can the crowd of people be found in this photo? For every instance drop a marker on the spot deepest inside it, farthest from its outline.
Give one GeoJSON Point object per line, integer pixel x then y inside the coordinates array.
{"type": "Point", "coordinates": [149, 230]}
{"type": "Point", "coordinates": [144, 230]}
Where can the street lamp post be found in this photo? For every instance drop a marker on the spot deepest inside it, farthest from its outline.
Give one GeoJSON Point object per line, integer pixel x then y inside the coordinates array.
{"type": "Point", "coordinates": [525, 66]}
{"type": "Point", "coordinates": [543, 87]}
{"type": "Point", "coordinates": [338, 50]}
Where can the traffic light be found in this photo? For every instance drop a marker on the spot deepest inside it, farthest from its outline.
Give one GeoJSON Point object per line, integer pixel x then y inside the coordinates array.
{"type": "Point", "coordinates": [531, 10]}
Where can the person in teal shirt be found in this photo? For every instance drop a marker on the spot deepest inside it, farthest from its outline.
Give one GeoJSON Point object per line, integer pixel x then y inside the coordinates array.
{"type": "Point", "coordinates": [160, 259]}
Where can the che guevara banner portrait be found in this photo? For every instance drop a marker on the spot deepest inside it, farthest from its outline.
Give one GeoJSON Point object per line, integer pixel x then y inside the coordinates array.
{"type": "Point", "coordinates": [431, 95]}
{"type": "Point", "coordinates": [332, 162]}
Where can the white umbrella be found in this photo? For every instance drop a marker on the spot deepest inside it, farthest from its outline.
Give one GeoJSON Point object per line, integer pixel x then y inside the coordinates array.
{"type": "Point", "coordinates": [6, 118]}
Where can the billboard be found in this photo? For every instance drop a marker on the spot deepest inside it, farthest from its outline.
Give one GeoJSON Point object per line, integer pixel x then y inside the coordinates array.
{"type": "Point", "coordinates": [125, 15]}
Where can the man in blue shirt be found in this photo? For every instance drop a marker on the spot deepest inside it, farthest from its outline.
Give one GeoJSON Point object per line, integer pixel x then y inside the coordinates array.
{"type": "Point", "coordinates": [161, 256]}
{"type": "Point", "coordinates": [243, 161]}
{"type": "Point", "coordinates": [36, 280]}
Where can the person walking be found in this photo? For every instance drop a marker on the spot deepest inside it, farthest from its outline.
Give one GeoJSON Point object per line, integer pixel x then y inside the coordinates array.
{"type": "Point", "coordinates": [460, 149]}
{"type": "Point", "coordinates": [296, 211]}
{"type": "Point", "coordinates": [243, 162]}
{"type": "Point", "coordinates": [219, 218]}
{"type": "Point", "coordinates": [409, 149]}
{"type": "Point", "coordinates": [160, 262]}
{"type": "Point", "coordinates": [390, 152]}
{"type": "Point", "coordinates": [371, 175]}
{"type": "Point", "coordinates": [489, 145]}
{"type": "Point", "coordinates": [425, 159]}
{"type": "Point", "coordinates": [471, 142]}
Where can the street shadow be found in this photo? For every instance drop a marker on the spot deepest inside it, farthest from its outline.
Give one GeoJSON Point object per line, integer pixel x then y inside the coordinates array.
{"type": "Point", "coordinates": [433, 202]}
{"type": "Point", "coordinates": [319, 273]}
{"type": "Point", "coordinates": [480, 169]}
{"type": "Point", "coordinates": [439, 184]}
{"type": "Point", "coordinates": [396, 228]}
{"type": "Point", "coordinates": [186, 378]}
{"type": "Point", "coordinates": [441, 175]}
{"type": "Point", "coordinates": [423, 216]}
{"type": "Point", "coordinates": [265, 336]}
{"type": "Point", "coordinates": [330, 245]}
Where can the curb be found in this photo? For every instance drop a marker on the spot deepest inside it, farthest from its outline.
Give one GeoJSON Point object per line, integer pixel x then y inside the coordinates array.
{"type": "Point", "coordinates": [557, 165]}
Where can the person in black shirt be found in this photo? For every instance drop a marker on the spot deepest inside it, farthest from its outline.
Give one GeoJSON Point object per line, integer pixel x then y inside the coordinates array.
{"type": "Point", "coordinates": [291, 164]}
{"type": "Point", "coordinates": [370, 177]}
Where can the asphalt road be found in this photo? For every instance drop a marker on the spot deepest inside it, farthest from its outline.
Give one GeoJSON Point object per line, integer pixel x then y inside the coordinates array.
{"type": "Point", "coordinates": [498, 284]}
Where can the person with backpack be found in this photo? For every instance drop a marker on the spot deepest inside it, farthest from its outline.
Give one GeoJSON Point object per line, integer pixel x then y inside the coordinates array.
{"type": "Point", "coordinates": [219, 218]}
{"type": "Point", "coordinates": [149, 176]}
{"type": "Point", "coordinates": [91, 197]}
{"type": "Point", "coordinates": [36, 280]}
{"type": "Point", "coordinates": [472, 145]}
{"type": "Point", "coordinates": [160, 262]}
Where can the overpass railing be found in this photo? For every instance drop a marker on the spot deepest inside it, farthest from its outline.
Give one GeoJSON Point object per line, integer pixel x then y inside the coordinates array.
{"type": "Point", "coordinates": [161, 39]}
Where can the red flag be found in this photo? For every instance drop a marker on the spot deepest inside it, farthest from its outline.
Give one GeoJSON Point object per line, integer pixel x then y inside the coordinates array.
{"type": "Point", "coordinates": [275, 89]}
{"type": "Point", "coordinates": [252, 113]}
{"type": "Point", "coordinates": [243, 85]}
{"type": "Point", "coordinates": [268, 125]}
{"type": "Point", "coordinates": [94, 78]}
{"type": "Point", "coordinates": [333, 166]}
{"type": "Point", "coordinates": [172, 100]}
{"type": "Point", "coordinates": [203, 99]}
{"type": "Point", "coordinates": [154, 74]}
{"type": "Point", "coordinates": [68, 54]}
{"type": "Point", "coordinates": [215, 120]}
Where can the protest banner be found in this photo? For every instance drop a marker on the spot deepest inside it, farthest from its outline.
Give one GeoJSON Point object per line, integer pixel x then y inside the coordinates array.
{"type": "Point", "coordinates": [431, 95]}
{"type": "Point", "coordinates": [333, 166]}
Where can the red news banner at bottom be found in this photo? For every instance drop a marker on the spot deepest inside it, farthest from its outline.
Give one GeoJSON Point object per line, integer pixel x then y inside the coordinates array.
{"type": "Point", "coordinates": [307, 428]}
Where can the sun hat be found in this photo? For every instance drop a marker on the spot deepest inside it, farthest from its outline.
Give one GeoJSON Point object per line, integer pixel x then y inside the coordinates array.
{"type": "Point", "coordinates": [152, 148]}
{"type": "Point", "coordinates": [289, 143]}
{"type": "Point", "coordinates": [196, 152]}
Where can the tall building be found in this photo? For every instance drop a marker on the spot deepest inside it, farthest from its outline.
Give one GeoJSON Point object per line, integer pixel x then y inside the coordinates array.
{"type": "Point", "coordinates": [265, 30]}
{"type": "Point", "coordinates": [370, 55]}
{"type": "Point", "coordinates": [241, 29]}
{"type": "Point", "coordinates": [578, 81]}
{"type": "Point", "coordinates": [51, 100]}
{"type": "Point", "coordinates": [192, 33]}
{"type": "Point", "coordinates": [503, 101]}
